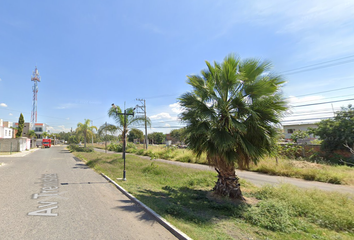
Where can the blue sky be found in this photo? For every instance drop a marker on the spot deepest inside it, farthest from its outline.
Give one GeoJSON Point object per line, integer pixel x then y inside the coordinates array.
{"type": "Point", "coordinates": [91, 54]}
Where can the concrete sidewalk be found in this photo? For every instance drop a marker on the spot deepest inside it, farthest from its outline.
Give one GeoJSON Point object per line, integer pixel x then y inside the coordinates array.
{"type": "Point", "coordinates": [19, 154]}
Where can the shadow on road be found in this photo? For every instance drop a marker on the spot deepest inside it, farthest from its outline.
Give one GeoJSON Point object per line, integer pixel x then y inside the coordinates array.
{"type": "Point", "coordinates": [64, 151]}
{"type": "Point", "coordinates": [81, 166]}
{"type": "Point", "coordinates": [77, 159]}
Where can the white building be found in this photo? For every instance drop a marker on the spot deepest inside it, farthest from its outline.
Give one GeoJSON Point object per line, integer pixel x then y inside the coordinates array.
{"type": "Point", "coordinates": [5, 129]}
{"type": "Point", "coordinates": [290, 129]}
{"type": "Point", "coordinates": [39, 129]}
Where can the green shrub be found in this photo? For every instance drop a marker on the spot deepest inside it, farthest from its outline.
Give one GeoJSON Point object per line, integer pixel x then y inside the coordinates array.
{"type": "Point", "coordinates": [130, 150]}
{"type": "Point", "coordinates": [131, 146]}
{"type": "Point", "coordinates": [152, 169]}
{"type": "Point", "coordinates": [77, 148]}
{"type": "Point", "coordinates": [140, 152]}
{"type": "Point", "coordinates": [148, 153]}
{"type": "Point", "coordinates": [290, 150]}
{"type": "Point", "coordinates": [117, 147]}
{"type": "Point", "coordinates": [186, 158]}
{"type": "Point", "coordinates": [169, 153]}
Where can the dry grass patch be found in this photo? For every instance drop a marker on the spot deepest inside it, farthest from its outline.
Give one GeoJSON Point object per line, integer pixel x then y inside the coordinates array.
{"type": "Point", "coordinates": [306, 170]}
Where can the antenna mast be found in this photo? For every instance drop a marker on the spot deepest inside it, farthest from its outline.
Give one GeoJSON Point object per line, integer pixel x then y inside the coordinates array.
{"type": "Point", "coordinates": [35, 78]}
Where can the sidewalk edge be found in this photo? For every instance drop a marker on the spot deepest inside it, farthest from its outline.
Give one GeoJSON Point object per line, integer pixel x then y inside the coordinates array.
{"type": "Point", "coordinates": [176, 232]}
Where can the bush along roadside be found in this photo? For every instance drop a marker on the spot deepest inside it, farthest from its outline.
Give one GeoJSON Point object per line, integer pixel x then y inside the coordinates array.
{"type": "Point", "coordinates": [118, 147]}
{"type": "Point", "coordinates": [77, 148]}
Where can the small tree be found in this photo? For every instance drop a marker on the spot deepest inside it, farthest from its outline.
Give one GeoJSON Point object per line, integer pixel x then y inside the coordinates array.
{"type": "Point", "coordinates": [21, 124]}
{"type": "Point", "coordinates": [135, 134]}
{"type": "Point", "coordinates": [299, 135]}
{"type": "Point", "coordinates": [117, 114]}
{"type": "Point", "coordinates": [45, 134]}
{"type": "Point", "coordinates": [178, 134]}
{"type": "Point", "coordinates": [157, 137]}
{"type": "Point", "coordinates": [337, 133]}
{"type": "Point", "coordinates": [85, 129]}
{"type": "Point", "coordinates": [32, 134]}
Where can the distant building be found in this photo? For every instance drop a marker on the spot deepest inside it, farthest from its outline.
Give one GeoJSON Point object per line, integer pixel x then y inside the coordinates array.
{"type": "Point", "coordinates": [5, 130]}
{"type": "Point", "coordinates": [290, 129]}
{"type": "Point", "coordinates": [39, 129]}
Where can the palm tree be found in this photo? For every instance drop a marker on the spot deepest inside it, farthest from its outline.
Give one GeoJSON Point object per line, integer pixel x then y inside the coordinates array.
{"type": "Point", "coordinates": [32, 134]}
{"type": "Point", "coordinates": [116, 113]}
{"type": "Point", "coordinates": [45, 134]}
{"type": "Point", "coordinates": [231, 115]}
{"type": "Point", "coordinates": [85, 129]}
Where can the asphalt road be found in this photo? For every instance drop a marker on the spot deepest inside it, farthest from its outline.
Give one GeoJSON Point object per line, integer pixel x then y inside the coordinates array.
{"type": "Point", "coordinates": [47, 194]}
{"type": "Point", "coordinates": [260, 179]}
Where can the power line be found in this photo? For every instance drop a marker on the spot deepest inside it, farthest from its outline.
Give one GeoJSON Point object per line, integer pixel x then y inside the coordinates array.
{"type": "Point", "coordinates": [306, 112]}
{"type": "Point", "coordinates": [318, 66]}
{"type": "Point", "coordinates": [307, 119]}
{"type": "Point", "coordinates": [312, 104]}
{"type": "Point", "coordinates": [323, 91]}
{"type": "Point", "coordinates": [314, 113]}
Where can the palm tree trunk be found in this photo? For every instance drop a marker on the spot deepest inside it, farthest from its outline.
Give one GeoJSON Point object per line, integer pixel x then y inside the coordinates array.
{"type": "Point", "coordinates": [85, 139]}
{"type": "Point", "coordinates": [228, 184]}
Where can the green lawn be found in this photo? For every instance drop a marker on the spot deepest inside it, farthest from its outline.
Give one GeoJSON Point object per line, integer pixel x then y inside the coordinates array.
{"type": "Point", "coordinates": [183, 196]}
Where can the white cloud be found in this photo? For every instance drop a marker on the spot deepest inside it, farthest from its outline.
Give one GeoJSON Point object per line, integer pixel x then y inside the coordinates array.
{"type": "Point", "coordinates": [3, 105]}
{"type": "Point", "coordinates": [10, 114]}
{"type": "Point", "coordinates": [176, 108]}
{"type": "Point", "coordinates": [58, 129]}
{"type": "Point", "coordinates": [161, 116]}
{"type": "Point", "coordinates": [322, 29]}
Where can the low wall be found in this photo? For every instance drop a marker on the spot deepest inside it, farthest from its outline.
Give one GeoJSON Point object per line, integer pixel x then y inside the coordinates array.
{"type": "Point", "coordinates": [14, 144]}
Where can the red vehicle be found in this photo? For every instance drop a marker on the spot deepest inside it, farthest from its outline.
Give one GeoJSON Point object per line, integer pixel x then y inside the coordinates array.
{"type": "Point", "coordinates": [47, 143]}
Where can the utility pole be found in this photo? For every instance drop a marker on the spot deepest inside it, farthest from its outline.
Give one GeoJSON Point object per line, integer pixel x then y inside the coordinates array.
{"type": "Point", "coordinates": [143, 108]}
{"type": "Point", "coordinates": [124, 133]}
{"type": "Point", "coordinates": [105, 140]}
{"type": "Point", "coordinates": [92, 133]}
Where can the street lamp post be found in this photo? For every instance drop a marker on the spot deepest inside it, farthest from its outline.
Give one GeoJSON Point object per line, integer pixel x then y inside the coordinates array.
{"type": "Point", "coordinates": [124, 133]}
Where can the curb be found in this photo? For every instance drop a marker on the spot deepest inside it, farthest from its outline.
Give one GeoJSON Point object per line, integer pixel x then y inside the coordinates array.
{"type": "Point", "coordinates": [176, 232]}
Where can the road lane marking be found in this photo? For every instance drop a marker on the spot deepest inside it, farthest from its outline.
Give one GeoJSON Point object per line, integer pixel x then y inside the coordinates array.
{"type": "Point", "coordinates": [50, 188]}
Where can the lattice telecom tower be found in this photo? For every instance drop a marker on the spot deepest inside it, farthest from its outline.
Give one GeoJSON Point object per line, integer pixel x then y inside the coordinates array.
{"type": "Point", "coordinates": [35, 78]}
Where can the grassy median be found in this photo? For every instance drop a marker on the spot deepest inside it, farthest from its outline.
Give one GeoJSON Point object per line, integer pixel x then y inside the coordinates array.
{"type": "Point", "coordinates": [285, 167]}
{"type": "Point", "coordinates": [183, 196]}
